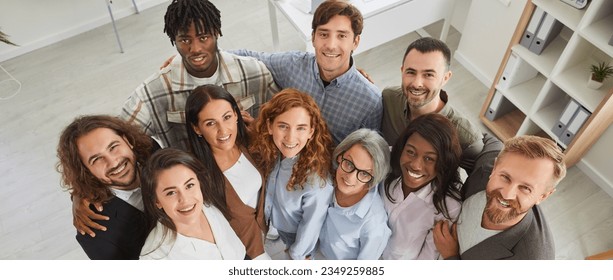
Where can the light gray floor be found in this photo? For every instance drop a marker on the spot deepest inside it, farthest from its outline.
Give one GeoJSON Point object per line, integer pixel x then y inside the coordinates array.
{"type": "Point", "coordinates": [86, 74]}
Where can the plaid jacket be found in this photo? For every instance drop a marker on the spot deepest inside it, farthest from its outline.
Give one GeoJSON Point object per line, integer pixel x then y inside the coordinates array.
{"type": "Point", "coordinates": [158, 104]}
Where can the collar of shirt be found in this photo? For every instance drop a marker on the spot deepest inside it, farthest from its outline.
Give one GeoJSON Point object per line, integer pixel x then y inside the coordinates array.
{"type": "Point", "coordinates": [288, 163]}
{"type": "Point", "coordinates": [340, 80]}
{"type": "Point", "coordinates": [443, 111]}
{"type": "Point", "coordinates": [361, 208]}
{"type": "Point", "coordinates": [132, 197]}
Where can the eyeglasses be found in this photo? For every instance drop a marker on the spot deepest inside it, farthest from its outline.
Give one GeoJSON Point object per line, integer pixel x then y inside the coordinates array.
{"type": "Point", "coordinates": [349, 167]}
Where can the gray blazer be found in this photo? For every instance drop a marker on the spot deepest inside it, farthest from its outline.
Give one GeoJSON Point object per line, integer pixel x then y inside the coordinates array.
{"type": "Point", "coordinates": [530, 239]}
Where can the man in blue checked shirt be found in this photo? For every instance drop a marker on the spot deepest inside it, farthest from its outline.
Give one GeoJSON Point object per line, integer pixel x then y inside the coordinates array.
{"type": "Point", "coordinates": [347, 100]}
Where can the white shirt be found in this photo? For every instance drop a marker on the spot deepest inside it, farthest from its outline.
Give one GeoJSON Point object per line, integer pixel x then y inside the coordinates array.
{"type": "Point", "coordinates": [246, 180]}
{"type": "Point", "coordinates": [227, 245]}
{"type": "Point", "coordinates": [132, 197]}
{"type": "Point", "coordinates": [411, 220]}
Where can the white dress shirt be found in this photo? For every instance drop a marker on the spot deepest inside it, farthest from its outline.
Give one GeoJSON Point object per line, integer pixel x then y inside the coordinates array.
{"type": "Point", "coordinates": [411, 220]}
{"type": "Point", "coordinates": [227, 245]}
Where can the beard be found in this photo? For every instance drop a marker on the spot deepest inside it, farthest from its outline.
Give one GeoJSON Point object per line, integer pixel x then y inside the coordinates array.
{"type": "Point", "coordinates": [130, 176]}
{"type": "Point", "coordinates": [501, 216]}
{"type": "Point", "coordinates": [417, 101]}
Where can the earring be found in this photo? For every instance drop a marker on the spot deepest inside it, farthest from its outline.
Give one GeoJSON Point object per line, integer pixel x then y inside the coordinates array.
{"type": "Point", "coordinates": [200, 135]}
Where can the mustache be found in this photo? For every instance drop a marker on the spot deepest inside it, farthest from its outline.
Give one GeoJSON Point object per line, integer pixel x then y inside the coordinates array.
{"type": "Point", "coordinates": [513, 203]}
{"type": "Point", "coordinates": [119, 165]}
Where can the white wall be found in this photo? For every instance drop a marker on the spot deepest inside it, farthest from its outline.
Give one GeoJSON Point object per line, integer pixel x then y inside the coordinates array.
{"type": "Point", "coordinates": [33, 24]}
{"type": "Point", "coordinates": [597, 162]}
{"type": "Point", "coordinates": [460, 11]}
{"type": "Point", "coordinates": [486, 35]}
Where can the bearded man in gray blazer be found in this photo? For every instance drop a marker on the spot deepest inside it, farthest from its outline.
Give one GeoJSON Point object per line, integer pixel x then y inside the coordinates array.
{"type": "Point", "coordinates": [501, 217]}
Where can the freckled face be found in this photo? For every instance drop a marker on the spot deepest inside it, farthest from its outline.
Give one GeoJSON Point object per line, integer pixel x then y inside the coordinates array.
{"type": "Point", "coordinates": [291, 131]}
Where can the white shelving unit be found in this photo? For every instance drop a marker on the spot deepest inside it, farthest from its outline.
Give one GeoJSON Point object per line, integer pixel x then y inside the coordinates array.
{"type": "Point", "coordinates": [563, 70]}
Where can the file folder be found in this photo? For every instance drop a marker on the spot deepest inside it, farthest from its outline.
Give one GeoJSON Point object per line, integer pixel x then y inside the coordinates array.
{"type": "Point", "coordinates": [575, 125]}
{"type": "Point", "coordinates": [516, 72]}
{"type": "Point", "coordinates": [530, 32]}
{"type": "Point", "coordinates": [549, 29]}
{"type": "Point", "coordinates": [570, 110]}
{"type": "Point", "coordinates": [499, 106]}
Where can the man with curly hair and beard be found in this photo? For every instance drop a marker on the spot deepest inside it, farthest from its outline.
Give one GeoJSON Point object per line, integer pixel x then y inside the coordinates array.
{"type": "Point", "coordinates": [100, 159]}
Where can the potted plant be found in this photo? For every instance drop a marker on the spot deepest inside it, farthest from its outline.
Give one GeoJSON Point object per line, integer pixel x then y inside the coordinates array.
{"type": "Point", "coordinates": [599, 73]}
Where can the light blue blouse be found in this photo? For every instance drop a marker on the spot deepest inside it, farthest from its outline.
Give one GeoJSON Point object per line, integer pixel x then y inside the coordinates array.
{"type": "Point", "coordinates": [298, 211]}
{"type": "Point", "coordinates": [356, 232]}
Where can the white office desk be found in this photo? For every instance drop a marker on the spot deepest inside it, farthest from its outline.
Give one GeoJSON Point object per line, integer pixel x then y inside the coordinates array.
{"type": "Point", "coordinates": [384, 20]}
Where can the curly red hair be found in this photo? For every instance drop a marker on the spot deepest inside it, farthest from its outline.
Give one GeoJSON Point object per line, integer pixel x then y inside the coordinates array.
{"type": "Point", "coordinates": [315, 158]}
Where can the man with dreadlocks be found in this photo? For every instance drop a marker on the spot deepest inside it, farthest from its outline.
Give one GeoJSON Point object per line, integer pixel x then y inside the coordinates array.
{"type": "Point", "coordinates": [158, 103]}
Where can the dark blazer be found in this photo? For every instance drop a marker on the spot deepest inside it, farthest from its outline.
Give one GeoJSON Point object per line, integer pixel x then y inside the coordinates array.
{"type": "Point", "coordinates": [125, 235]}
{"type": "Point", "coordinates": [530, 239]}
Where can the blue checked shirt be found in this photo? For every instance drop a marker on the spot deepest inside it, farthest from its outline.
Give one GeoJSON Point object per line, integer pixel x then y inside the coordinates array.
{"type": "Point", "coordinates": [348, 103]}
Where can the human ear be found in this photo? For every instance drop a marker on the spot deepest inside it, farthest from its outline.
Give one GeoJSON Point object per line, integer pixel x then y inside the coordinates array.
{"type": "Point", "coordinates": [545, 195]}
{"type": "Point", "coordinates": [356, 41]}
{"type": "Point", "coordinates": [196, 130]}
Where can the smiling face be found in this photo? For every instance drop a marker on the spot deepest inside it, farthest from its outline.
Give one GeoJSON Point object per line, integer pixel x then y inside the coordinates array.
{"type": "Point", "coordinates": [291, 131]}
{"type": "Point", "coordinates": [349, 190]}
{"type": "Point", "coordinates": [516, 184]}
{"type": "Point", "coordinates": [217, 123]}
{"type": "Point", "coordinates": [418, 163]}
{"type": "Point", "coordinates": [178, 193]}
{"type": "Point", "coordinates": [109, 157]}
{"type": "Point", "coordinates": [198, 51]}
{"type": "Point", "coordinates": [423, 77]}
{"type": "Point", "coordinates": [334, 42]}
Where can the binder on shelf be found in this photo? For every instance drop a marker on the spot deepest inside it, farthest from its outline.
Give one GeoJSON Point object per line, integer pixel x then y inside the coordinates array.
{"type": "Point", "coordinates": [547, 31]}
{"type": "Point", "coordinates": [570, 110]}
{"type": "Point", "coordinates": [516, 72]}
{"type": "Point", "coordinates": [530, 32]}
{"type": "Point", "coordinates": [575, 125]}
{"type": "Point", "coordinates": [499, 106]}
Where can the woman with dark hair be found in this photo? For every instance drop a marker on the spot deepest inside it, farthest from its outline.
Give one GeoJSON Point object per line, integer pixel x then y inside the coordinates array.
{"type": "Point", "coordinates": [217, 136]}
{"type": "Point", "coordinates": [186, 215]}
{"type": "Point", "coordinates": [423, 187]}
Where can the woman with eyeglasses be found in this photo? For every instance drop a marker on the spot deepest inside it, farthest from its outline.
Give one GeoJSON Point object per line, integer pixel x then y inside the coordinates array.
{"type": "Point", "coordinates": [423, 187]}
{"type": "Point", "coordinates": [356, 225]}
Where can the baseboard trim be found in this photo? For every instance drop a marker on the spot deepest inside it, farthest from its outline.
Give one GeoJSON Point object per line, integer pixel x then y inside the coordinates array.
{"type": "Point", "coordinates": [87, 26]}
{"type": "Point", "coordinates": [596, 177]}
